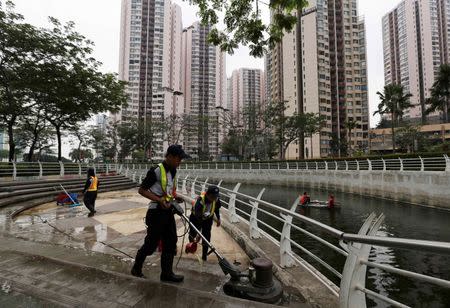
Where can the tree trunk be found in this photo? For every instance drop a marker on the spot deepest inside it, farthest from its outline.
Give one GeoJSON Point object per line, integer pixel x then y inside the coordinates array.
{"type": "Point", "coordinates": [349, 142]}
{"type": "Point", "coordinates": [312, 153]}
{"type": "Point", "coordinates": [447, 103]}
{"type": "Point", "coordinates": [12, 145]}
{"type": "Point", "coordinates": [58, 136]}
{"type": "Point", "coordinates": [393, 132]}
{"type": "Point", "coordinates": [31, 151]}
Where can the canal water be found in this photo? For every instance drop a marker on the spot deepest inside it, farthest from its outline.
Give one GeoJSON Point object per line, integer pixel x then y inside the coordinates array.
{"type": "Point", "coordinates": [402, 220]}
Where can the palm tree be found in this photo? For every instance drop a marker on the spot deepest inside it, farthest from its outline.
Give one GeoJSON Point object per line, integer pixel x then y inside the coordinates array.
{"type": "Point", "coordinates": [394, 102]}
{"type": "Point", "coordinates": [440, 92]}
{"type": "Point", "coordinates": [350, 125]}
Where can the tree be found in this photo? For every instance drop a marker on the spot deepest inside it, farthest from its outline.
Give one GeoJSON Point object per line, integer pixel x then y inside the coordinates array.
{"type": "Point", "coordinates": [440, 93]}
{"type": "Point", "coordinates": [20, 50]}
{"type": "Point", "coordinates": [394, 102]}
{"type": "Point", "coordinates": [409, 138]}
{"type": "Point", "coordinates": [338, 145]}
{"type": "Point", "coordinates": [350, 125]}
{"type": "Point", "coordinates": [71, 87]}
{"type": "Point", "coordinates": [80, 156]}
{"type": "Point", "coordinates": [243, 24]}
{"type": "Point", "coordinates": [313, 125]}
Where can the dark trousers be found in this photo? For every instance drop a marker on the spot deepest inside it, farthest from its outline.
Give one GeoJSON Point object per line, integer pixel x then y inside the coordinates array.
{"type": "Point", "coordinates": [160, 226]}
{"type": "Point", "coordinates": [205, 227]}
{"type": "Point", "coordinates": [89, 200]}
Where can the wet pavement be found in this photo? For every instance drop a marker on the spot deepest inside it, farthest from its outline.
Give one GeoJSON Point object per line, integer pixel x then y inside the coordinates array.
{"type": "Point", "coordinates": [51, 250]}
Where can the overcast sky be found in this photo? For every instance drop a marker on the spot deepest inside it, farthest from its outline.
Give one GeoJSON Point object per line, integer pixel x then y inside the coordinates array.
{"type": "Point", "coordinates": [99, 20]}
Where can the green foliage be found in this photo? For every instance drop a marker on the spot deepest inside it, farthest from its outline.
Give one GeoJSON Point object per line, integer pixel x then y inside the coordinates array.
{"type": "Point", "coordinates": [440, 93]}
{"type": "Point", "coordinates": [81, 156]}
{"type": "Point", "coordinates": [394, 102]}
{"type": "Point", "coordinates": [243, 24]}
{"type": "Point", "coordinates": [410, 139]}
{"type": "Point", "coordinates": [51, 70]}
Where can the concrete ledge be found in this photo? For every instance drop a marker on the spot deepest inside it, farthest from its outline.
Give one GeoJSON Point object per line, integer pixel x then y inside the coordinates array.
{"type": "Point", "coordinates": [296, 279]}
{"type": "Point", "coordinates": [430, 189]}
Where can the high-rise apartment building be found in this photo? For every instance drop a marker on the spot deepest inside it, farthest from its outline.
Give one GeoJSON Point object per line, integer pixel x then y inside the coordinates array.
{"type": "Point", "coordinates": [248, 88]}
{"type": "Point", "coordinates": [150, 59]}
{"type": "Point", "coordinates": [204, 88]}
{"type": "Point", "coordinates": [334, 75]}
{"type": "Point", "coordinates": [416, 41]}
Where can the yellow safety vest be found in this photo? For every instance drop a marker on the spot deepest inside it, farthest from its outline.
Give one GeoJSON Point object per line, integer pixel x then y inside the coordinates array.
{"type": "Point", "coordinates": [166, 195]}
{"type": "Point", "coordinates": [94, 184]}
{"type": "Point", "coordinates": [213, 206]}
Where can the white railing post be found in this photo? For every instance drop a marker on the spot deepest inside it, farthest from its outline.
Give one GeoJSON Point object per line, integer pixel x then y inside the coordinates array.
{"type": "Point", "coordinates": [79, 170]}
{"type": "Point", "coordinates": [317, 166]}
{"type": "Point", "coordinates": [140, 178]}
{"type": "Point", "coordinates": [107, 169]}
{"type": "Point", "coordinates": [14, 175]}
{"type": "Point", "coordinates": [306, 163]}
{"type": "Point", "coordinates": [183, 186]}
{"type": "Point", "coordinates": [287, 165]}
{"type": "Point", "coordinates": [296, 165]}
{"type": "Point", "coordinates": [447, 163]}
{"type": "Point", "coordinates": [326, 165]}
{"type": "Point", "coordinates": [204, 185]}
{"type": "Point", "coordinates": [232, 205]}
{"type": "Point", "coordinates": [61, 168]}
{"type": "Point", "coordinates": [357, 165]}
{"type": "Point", "coordinates": [259, 165]}
{"type": "Point", "coordinates": [132, 167]}
{"type": "Point", "coordinates": [401, 164]}
{"type": "Point", "coordinates": [126, 172]}
{"type": "Point", "coordinates": [134, 176]}
{"type": "Point", "coordinates": [346, 165]}
{"type": "Point", "coordinates": [217, 166]}
{"type": "Point", "coordinates": [384, 164]}
{"type": "Point", "coordinates": [254, 230]}
{"type": "Point", "coordinates": [40, 170]}
{"type": "Point", "coordinates": [193, 194]}
{"type": "Point", "coordinates": [422, 165]}
{"type": "Point", "coordinates": [370, 165]}
{"type": "Point", "coordinates": [220, 183]}
{"type": "Point", "coordinates": [354, 273]}
{"type": "Point", "coordinates": [285, 243]}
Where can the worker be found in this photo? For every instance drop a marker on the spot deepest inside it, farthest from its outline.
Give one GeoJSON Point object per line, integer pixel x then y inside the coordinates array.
{"type": "Point", "coordinates": [159, 186]}
{"type": "Point", "coordinates": [90, 191]}
{"type": "Point", "coordinates": [330, 201]}
{"type": "Point", "coordinates": [305, 199]}
{"type": "Point", "coordinates": [202, 215]}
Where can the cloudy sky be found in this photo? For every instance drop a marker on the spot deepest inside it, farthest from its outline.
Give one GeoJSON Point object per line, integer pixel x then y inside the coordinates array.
{"type": "Point", "coordinates": [99, 20]}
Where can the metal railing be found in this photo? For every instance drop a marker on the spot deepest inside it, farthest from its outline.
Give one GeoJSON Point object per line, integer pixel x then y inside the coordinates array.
{"type": "Point", "coordinates": [355, 248]}
{"type": "Point", "coordinates": [400, 164]}
{"type": "Point", "coordinates": [38, 170]}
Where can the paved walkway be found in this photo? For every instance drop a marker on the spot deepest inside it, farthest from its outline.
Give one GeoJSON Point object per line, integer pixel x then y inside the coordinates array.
{"type": "Point", "coordinates": [57, 256]}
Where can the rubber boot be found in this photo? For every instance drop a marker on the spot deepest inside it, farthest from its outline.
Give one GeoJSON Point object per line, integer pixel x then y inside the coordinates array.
{"type": "Point", "coordinates": [167, 275]}
{"type": "Point", "coordinates": [204, 252]}
{"type": "Point", "coordinates": [136, 270]}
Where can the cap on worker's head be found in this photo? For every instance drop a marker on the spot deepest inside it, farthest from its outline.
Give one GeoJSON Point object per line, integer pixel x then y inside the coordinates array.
{"type": "Point", "coordinates": [177, 150]}
{"type": "Point", "coordinates": [213, 191]}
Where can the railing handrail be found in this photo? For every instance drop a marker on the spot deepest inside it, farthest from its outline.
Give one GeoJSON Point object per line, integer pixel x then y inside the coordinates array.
{"type": "Point", "coordinates": [345, 239]}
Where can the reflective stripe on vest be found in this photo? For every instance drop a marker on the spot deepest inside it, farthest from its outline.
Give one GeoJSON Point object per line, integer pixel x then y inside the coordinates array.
{"type": "Point", "coordinates": [94, 183]}
{"type": "Point", "coordinates": [213, 206]}
{"type": "Point", "coordinates": [168, 197]}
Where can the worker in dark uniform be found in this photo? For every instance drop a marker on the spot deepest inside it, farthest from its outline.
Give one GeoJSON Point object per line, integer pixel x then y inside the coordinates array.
{"type": "Point", "coordinates": [202, 215]}
{"type": "Point", "coordinates": [160, 187]}
{"type": "Point", "coordinates": [90, 191]}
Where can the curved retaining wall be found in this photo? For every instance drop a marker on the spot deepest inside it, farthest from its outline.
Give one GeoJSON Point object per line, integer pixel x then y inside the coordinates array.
{"type": "Point", "coordinates": [422, 188]}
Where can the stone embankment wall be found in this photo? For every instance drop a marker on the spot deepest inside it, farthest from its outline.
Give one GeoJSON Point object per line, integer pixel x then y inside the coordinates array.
{"type": "Point", "coordinates": [417, 187]}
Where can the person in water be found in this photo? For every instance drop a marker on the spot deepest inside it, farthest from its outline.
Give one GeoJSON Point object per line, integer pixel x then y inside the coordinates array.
{"type": "Point", "coordinates": [305, 199]}
{"type": "Point", "coordinates": [330, 202]}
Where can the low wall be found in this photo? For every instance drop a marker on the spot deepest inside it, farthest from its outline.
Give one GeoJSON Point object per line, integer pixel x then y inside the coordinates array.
{"type": "Point", "coordinates": [422, 188]}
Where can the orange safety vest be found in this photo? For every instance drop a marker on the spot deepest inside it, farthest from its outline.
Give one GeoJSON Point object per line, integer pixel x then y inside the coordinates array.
{"type": "Point", "coordinates": [94, 184]}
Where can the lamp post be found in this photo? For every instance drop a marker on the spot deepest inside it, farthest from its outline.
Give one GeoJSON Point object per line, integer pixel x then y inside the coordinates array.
{"type": "Point", "coordinates": [148, 152]}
